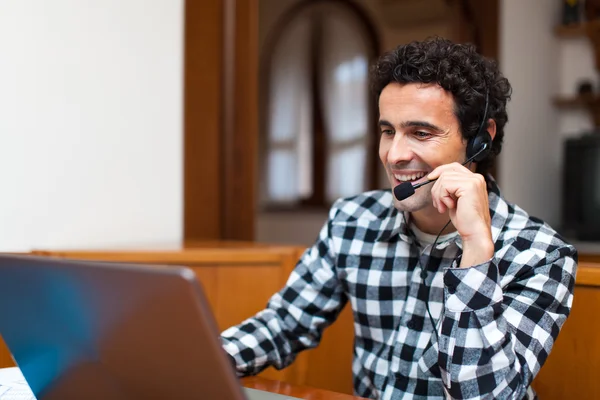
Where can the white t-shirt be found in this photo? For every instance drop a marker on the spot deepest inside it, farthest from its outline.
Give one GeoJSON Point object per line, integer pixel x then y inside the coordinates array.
{"type": "Point", "coordinates": [425, 239]}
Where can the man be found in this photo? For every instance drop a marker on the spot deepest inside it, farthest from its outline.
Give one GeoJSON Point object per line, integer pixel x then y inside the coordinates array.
{"type": "Point", "coordinates": [455, 292]}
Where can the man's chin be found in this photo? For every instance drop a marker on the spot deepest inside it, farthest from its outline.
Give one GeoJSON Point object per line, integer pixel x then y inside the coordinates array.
{"type": "Point", "coordinates": [411, 204]}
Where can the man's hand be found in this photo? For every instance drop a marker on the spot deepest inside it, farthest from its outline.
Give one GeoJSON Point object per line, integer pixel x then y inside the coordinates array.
{"type": "Point", "coordinates": [464, 195]}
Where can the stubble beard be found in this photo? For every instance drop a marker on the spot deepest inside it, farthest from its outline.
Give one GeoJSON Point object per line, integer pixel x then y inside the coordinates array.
{"type": "Point", "coordinates": [418, 201]}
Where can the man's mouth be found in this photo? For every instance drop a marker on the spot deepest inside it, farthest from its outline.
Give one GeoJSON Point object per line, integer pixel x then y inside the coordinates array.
{"type": "Point", "coordinates": [409, 177]}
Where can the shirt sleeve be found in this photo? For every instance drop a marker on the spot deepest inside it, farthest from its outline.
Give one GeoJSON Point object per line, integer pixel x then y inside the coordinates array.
{"type": "Point", "coordinates": [495, 339]}
{"type": "Point", "coordinates": [295, 317]}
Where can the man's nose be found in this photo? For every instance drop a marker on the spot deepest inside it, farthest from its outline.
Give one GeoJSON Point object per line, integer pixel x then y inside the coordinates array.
{"type": "Point", "coordinates": [400, 151]}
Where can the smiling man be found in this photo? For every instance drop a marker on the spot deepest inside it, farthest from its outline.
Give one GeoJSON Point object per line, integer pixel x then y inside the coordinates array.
{"type": "Point", "coordinates": [455, 291]}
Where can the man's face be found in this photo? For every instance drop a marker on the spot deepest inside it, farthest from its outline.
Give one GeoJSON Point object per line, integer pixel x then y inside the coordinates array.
{"type": "Point", "coordinates": [419, 132]}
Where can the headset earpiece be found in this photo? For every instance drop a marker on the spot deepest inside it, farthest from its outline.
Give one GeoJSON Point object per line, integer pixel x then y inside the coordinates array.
{"type": "Point", "coordinates": [480, 145]}
{"type": "Point", "coordinates": [476, 145]}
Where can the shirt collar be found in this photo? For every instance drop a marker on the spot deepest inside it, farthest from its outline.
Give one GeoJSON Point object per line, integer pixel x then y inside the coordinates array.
{"type": "Point", "coordinates": [499, 208]}
{"type": "Point", "coordinates": [394, 225]}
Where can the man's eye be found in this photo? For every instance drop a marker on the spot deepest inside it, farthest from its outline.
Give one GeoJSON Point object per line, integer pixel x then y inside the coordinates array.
{"type": "Point", "coordinates": [387, 132]}
{"type": "Point", "coordinates": [422, 134]}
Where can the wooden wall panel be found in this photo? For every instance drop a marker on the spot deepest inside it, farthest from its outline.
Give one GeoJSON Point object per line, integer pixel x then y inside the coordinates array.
{"type": "Point", "coordinates": [5, 358]}
{"type": "Point", "coordinates": [330, 364]}
{"type": "Point", "coordinates": [203, 53]}
{"type": "Point", "coordinates": [221, 119]}
{"type": "Point", "coordinates": [573, 368]}
{"type": "Point", "coordinates": [209, 278]}
{"type": "Point", "coordinates": [240, 119]}
{"type": "Point", "coordinates": [238, 291]}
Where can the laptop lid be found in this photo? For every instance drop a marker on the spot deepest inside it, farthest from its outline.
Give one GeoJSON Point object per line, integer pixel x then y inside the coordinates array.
{"type": "Point", "coordinates": [99, 330]}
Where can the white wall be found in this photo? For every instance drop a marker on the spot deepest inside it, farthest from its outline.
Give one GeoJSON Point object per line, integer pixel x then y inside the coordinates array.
{"type": "Point", "coordinates": [530, 173]}
{"type": "Point", "coordinates": [90, 123]}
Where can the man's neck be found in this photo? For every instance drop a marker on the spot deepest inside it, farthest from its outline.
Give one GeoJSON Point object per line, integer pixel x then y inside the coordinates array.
{"type": "Point", "coordinates": [430, 221]}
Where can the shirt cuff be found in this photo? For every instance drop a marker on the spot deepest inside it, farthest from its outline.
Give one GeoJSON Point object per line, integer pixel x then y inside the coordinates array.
{"type": "Point", "coordinates": [473, 288]}
{"type": "Point", "coordinates": [233, 354]}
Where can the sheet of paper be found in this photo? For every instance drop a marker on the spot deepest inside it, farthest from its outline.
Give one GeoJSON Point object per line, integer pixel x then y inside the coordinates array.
{"type": "Point", "coordinates": [11, 377]}
{"type": "Point", "coordinates": [13, 385]}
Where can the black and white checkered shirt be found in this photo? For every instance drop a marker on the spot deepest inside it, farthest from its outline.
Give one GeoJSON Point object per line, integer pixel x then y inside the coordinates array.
{"type": "Point", "coordinates": [496, 321]}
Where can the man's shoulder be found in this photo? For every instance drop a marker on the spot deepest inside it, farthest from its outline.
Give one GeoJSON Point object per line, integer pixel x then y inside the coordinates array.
{"type": "Point", "coordinates": [525, 231]}
{"type": "Point", "coordinates": [369, 205]}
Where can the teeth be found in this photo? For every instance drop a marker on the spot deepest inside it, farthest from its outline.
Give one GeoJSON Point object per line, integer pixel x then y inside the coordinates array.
{"type": "Point", "coordinates": [411, 177]}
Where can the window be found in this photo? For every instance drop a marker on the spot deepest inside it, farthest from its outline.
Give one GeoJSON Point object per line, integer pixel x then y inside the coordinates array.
{"type": "Point", "coordinates": [318, 143]}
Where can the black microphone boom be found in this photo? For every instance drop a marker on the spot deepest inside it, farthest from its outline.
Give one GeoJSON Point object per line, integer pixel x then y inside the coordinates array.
{"type": "Point", "coordinates": [406, 189]}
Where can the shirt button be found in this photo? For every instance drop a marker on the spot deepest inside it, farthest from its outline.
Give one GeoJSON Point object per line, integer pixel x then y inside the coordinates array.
{"type": "Point", "coordinates": [450, 284]}
{"type": "Point", "coordinates": [411, 324]}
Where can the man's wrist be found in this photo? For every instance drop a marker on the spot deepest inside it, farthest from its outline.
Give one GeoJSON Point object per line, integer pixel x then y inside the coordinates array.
{"type": "Point", "coordinates": [476, 251]}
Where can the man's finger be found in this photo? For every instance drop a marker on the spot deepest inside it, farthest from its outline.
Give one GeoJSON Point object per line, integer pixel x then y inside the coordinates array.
{"type": "Point", "coordinates": [444, 168]}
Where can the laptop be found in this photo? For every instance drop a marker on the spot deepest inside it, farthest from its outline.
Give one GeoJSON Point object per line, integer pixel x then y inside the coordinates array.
{"type": "Point", "coordinates": [103, 330]}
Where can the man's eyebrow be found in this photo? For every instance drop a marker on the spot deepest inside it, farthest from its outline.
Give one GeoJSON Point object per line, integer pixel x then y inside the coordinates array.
{"type": "Point", "coordinates": [411, 124]}
{"type": "Point", "coordinates": [421, 124]}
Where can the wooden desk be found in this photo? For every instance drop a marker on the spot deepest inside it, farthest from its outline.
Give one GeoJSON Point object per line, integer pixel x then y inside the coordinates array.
{"type": "Point", "coordinates": [302, 392]}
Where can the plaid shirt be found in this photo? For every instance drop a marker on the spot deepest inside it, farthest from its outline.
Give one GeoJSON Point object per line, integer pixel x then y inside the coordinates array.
{"type": "Point", "coordinates": [496, 321]}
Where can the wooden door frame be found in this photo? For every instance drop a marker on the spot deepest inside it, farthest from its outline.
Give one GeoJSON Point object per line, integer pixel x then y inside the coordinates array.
{"type": "Point", "coordinates": [220, 119]}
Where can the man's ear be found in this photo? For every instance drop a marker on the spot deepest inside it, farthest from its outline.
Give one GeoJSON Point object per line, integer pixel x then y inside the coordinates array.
{"type": "Point", "coordinates": [491, 128]}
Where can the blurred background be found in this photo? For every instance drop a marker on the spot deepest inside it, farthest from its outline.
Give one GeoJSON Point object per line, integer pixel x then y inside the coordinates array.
{"type": "Point", "coordinates": [208, 132]}
{"type": "Point", "coordinates": [130, 123]}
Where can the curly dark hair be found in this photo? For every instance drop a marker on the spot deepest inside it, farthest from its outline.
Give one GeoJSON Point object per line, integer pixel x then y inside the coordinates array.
{"type": "Point", "coordinates": [458, 69]}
